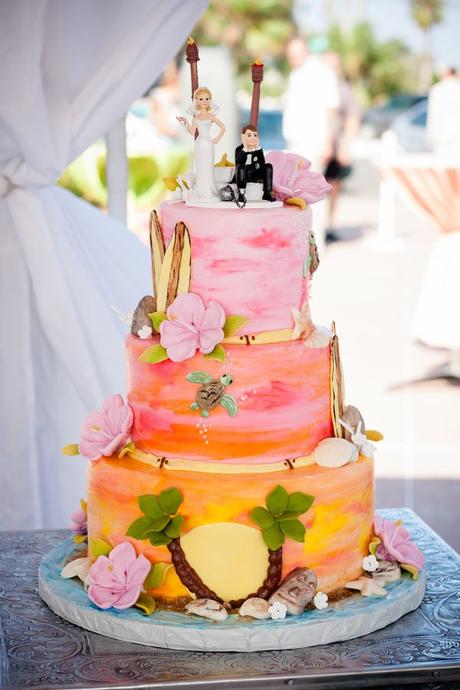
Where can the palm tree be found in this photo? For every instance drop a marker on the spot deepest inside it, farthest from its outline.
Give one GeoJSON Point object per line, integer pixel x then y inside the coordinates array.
{"type": "Point", "coordinates": [426, 13]}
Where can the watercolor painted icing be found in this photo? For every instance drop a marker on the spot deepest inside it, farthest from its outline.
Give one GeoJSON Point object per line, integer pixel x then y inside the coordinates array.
{"type": "Point", "coordinates": [250, 262]}
{"type": "Point", "coordinates": [282, 391]}
{"type": "Point", "coordinates": [339, 524]}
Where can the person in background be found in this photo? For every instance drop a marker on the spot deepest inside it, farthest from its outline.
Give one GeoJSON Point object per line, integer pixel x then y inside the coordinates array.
{"type": "Point", "coordinates": [443, 131]}
{"type": "Point", "coordinates": [346, 127]}
{"type": "Point", "coordinates": [311, 107]}
{"type": "Point", "coordinates": [312, 101]}
{"type": "Point", "coordinates": [165, 103]}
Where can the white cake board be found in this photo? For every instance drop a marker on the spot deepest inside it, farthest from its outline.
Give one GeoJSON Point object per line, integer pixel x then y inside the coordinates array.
{"type": "Point", "coordinates": [344, 620]}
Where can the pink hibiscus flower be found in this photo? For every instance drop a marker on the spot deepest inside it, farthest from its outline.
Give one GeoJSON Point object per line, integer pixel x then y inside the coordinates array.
{"type": "Point", "coordinates": [107, 431]}
{"type": "Point", "coordinates": [79, 522]}
{"type": "Point", "coordinates": [292, 177]}
{"type": "Point", "coordinates": [191, 326]}
{"type": "Point", "coordinates": [396, 544]}
{"type": "Point", "coordinates": [116, 581]}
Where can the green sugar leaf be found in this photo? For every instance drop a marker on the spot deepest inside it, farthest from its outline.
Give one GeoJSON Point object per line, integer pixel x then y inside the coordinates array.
{"type": "Point", "coordinates": [233, 324]}
{"type": "Point", "coordinates": [299, 502]}
{"type": "Point", "coordinates": [277, 500]}
{"type": "Point", "coordinates": [261, 517]}
{"type": "Point", "coordinates": [293, 529]}
{"type": "Point", "coordinates": [288, 515]}
{"type": "Point", "coordinates": [71, 449]}
{"type": "Point", "coordinates": [80, 538]}
{"type": "Point", "coordinates": [158, 525]}
{"type": "Point", "coordinates": [157, 575]}
{"type": "Point", "coordinates": [99, 547]}
{"type": "Point", "coordinates": [153, 354]}
{"type": "Point", "coordinates": [159, 539]}
{"type": "Point", "coordinates": [157, 318]}
{"type": "Point", "coordinates": [170, 500]}
{"type": "Point", "coordinates": [217, 354]}
{"type": "Point", "coordinates": [139, 527]}
{"type": "Point", "coordinates": [146, 603]}
{"type": "Point", "coordinates": [373, 546]}
{"type": "Point", "coordinates": [273, 536]}
{"type": "Point", "coordinates": [174, 526]}
{"type": "Point", "coordinates": [150, 506]}
{"type": "Point", "coordinates": [129, 448]}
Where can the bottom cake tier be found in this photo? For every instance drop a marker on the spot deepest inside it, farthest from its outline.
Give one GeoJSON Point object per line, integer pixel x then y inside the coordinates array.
{"type": "Point", "coordinates": [220, 543]}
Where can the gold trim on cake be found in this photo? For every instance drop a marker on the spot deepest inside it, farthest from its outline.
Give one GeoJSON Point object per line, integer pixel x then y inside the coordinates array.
{"type": "Point", "coordinates": [213, 467]}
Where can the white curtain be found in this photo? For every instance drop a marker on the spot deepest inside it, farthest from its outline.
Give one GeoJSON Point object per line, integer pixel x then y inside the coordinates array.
{"type": "Point", "coordinates": [69, 69]}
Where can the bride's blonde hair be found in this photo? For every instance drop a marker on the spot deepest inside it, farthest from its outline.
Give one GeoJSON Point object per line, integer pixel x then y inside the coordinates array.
{"type": "Point", "coordinates": [201, 91]}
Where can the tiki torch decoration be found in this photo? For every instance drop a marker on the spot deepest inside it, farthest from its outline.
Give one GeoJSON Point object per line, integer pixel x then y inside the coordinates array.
{"type": "Point", "coordinates": [257, 73]}
{"type": "Point", "coordinates": [192, 57]}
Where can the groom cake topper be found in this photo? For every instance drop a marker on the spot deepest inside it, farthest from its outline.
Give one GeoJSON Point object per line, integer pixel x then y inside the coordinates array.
{"type": "Point", "coordinates": [251, 166]}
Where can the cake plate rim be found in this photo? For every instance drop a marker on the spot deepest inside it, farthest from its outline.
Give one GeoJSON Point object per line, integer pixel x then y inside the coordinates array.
{"type": "Point", "coordinates": [348, 619]}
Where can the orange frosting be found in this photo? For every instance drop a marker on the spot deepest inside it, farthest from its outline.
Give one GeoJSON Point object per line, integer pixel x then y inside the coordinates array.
{"type": "Point", "coordinates": [338, 524]}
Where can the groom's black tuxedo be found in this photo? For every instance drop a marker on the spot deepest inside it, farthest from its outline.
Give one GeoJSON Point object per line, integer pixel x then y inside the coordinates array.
{"type": "Point", "coordinates": [251, 167]}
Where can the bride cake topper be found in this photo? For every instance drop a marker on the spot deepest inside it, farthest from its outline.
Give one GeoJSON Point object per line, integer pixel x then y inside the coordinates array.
{"type": "Point", "coordinates": [203, 111]}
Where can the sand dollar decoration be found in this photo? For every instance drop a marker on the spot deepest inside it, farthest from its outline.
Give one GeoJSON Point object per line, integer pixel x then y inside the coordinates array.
{"type": "Point", "coordinates": [214, 552]}
{"type": "Point", "coordinates": [335, 452]}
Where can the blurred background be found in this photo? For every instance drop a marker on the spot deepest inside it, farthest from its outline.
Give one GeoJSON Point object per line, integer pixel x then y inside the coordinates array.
{"type": "Point", "coordinates": [390, 242]}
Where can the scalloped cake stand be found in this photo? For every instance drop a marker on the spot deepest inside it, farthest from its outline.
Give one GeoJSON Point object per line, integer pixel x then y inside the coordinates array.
{"type": "Point", "coordinates": [344, 620]}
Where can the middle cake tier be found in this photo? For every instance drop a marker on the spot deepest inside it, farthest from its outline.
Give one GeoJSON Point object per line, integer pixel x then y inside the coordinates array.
{"type": "Point", "coordinates": [282, 393]}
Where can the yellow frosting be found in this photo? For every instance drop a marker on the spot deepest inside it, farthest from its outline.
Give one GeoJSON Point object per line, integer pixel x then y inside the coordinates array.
{"type": "Point", "coordinates": [215, 552]}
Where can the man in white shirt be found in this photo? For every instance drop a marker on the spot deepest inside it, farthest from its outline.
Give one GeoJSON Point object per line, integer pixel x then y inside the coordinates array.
{"type": "Point", "coordinates": [311, 107]}
{"type": "Point", "coordinates": [443, 129]}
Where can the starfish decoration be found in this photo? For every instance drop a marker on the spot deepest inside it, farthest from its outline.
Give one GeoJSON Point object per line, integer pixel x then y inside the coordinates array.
{"type": "Point", "coordinates": [302, 321]}
{"type": "Point", "coordinates": [367, 586]}
{"type": "Point", "coordinates": [127, 319]}
{"type": "Point", "coordinates": [359, 439]}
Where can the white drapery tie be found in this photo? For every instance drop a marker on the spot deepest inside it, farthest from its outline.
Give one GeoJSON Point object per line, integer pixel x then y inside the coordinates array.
{"type": "Point", "coordinates": [18, 174]}
{"type": "Point", "coordinates": [5, 185]}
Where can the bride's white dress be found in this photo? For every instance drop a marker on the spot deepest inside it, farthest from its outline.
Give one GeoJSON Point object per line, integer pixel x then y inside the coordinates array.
{"type": "Point", "coordinates": [205, 183]}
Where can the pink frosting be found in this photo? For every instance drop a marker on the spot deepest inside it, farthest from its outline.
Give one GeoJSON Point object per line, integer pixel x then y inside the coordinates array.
{"type": "Point", "coordinates": [191, 326]}
{"type": "Point", "coordinates": [106, 432]}
{"type": "Point", "coordinates": [117, 581]}
{"type": "Point", "coordinates": [282, 391]}
{"type": "Point", "coordinates": [396, 544]}
{"type": "Point", "coordinates": [250, 261]}
{"type": "Point", "coordinates": [292, 177]}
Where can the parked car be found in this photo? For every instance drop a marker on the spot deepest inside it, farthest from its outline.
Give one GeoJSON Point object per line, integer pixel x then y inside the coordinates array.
{"type": "Point", "coordinates": [378, 120]}
{"type": "Point", "coordinates": [270, 128]}
{"type": "Point", "coordinates": [410, 127]}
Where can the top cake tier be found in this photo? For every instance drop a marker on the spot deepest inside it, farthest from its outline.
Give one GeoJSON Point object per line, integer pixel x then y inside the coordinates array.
{"type": "Point", "coordinates": [254, 262]}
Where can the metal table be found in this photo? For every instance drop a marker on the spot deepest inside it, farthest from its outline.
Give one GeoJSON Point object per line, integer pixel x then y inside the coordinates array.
{"type": "Point", "coordinates": [39, 650]}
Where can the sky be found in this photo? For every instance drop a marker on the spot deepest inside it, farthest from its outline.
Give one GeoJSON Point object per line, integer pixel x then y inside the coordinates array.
{"type": "Point", "coordinates": [390, 19]}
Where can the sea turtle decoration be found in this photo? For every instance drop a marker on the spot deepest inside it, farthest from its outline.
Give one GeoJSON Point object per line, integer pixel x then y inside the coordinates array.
{"type": "Point", "coordinates": [212, 393]}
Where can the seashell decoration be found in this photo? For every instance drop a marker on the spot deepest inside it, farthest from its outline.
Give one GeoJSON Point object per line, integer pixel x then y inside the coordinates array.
{"type": "Point", "coordinates": [255, 608]}
{"type": "Point", "coordinates": [387, 571]}
{"type": "Point", "coordinates": [141, 318]}
{"type": "Point", "coordinates": [335, 452]}
{"type": "Point", "coordinates": [352, 417]}
{"type": "Point", "coordinates": [314, 254]}
{"type": "Point", "coordinates": [321, 337]}
{"type": "Point", "coordinates": [296, 590]}
{"type": "Point", "coordinates": [207, 608]}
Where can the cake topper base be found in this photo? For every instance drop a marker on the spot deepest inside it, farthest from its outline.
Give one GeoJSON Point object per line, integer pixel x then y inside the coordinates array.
{"type": "Point", "coordinates": [343, 620]}
{"type": "Point", "coordinates": [230, 205]}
